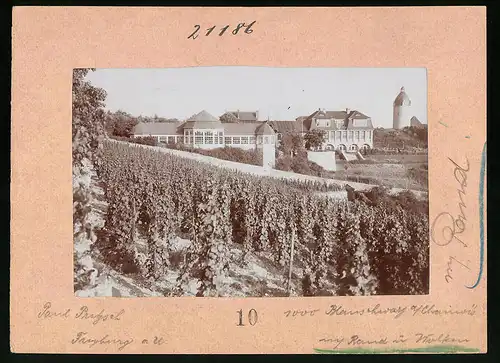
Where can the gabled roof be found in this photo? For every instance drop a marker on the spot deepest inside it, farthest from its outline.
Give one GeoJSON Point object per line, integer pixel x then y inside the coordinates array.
{"type": "Point", "coordinates": [282, 127]}
{"type": "Point", "coordinates": [264, 129]}
{"type": "Point", "coordinates": [415, 122]}
{"type": "Point", "coordinates": [157, 128]}
{"type": "Point", "coordinates": [245, 115]}
{"type": "Point", "coordinates": [346, 117]}
{"type": "Point", "coordinates": [240, 128]}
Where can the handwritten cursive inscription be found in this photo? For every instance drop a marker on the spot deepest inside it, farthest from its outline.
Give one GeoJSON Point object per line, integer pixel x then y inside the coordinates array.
{"type": "Point", "coordinates": [441, 338]}
{"type": "Point", "coordinates": [358, 341]}
{"type": "Point", "coordinates": [446, 227]}
{"type": "Point", "coordinates": [448, 277]}
{"type": "Point", "coordinates": [432, 310]}
{"type": "Point", "coordinates": [84, 314]}
{"type": "Point", "coordinates": [84, 339]}
{"type": "Point", "coordinates": [47, 313]}
{"type": "Point", "coordinates": [339, 310]}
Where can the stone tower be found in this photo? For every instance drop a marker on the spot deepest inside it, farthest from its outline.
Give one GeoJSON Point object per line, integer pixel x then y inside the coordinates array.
{"type": "Point", "coordinates": [402, 110]}
{"type": "Point", "coordinates": [266, 141]}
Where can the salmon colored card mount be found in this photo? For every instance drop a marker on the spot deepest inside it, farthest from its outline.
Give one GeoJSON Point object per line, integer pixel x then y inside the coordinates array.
{"type": "Point", "coordinates": [248, 180]}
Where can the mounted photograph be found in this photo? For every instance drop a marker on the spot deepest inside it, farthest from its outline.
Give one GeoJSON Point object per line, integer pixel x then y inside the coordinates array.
{"type": "Point", "coordinates": [250, 182]}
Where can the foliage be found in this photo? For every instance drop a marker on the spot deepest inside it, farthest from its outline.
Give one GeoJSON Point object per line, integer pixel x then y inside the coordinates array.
{"type": "Point", "coordinates": [371, 249]}
{"type": "Point", "coordinates": [291, 144]}
{"type": "Point", "coordinates": [314, 139]}
{"type": "Point", "coordinates": [236, 154]}
{"type": "Point", "coordinates": [299, 164]}
{"type": "Point", "coordinates": [228, 118]}
{"type": "Point", "coordinates": [409, 137]}
{"type": "Point", "coordinates": [120, 123]}
{"type": "Point", "coordinates": [145, 140]}
{"type": "Point", "coordinates": [420, 174]}
{"type": "Point", "coordinates": [87, 137]}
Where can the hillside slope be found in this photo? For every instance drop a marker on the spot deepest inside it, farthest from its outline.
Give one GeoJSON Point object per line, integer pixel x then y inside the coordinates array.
{"type": "Point", "coordinates": [408, 137]}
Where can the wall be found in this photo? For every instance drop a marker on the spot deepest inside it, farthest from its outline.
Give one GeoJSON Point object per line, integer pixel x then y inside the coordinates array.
{"type": "Point", "coordinates": [268, 155]}
{"type": "Point", "coordinates": [326, 159]}
{"type": "Point", "coordinates": [401, 116]}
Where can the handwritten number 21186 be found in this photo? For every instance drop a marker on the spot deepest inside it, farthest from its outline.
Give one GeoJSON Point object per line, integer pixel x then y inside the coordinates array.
{"type": "Point", "coordinates": [248, 30]}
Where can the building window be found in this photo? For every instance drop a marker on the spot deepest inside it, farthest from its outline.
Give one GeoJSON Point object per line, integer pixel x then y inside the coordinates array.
{"type": "Point", "coordinates": [369, 135]}
{"type": "Point", "coordinates": [327, 123]}
{"type": "Point", "coordinates": [351, 135]}
{"type": "Point", "coordinates": [337, 135]}
{"type": "Point", "coordinates": [363, 135]}
{"type": "Point", "coordinates": [171, 140]}
{"type": "Point", "coordinates": [227, 140]}
{"type": "Point", "coordinates": [266, 139]}
{"type": "Point", "coordinates": [344, 135]}
{"type": "Point", "coordinates": [236, 140]}
{"type": "Point", "coordinates": [259, 140]}
{"type": "Point", "coordinates": [251, 140]}
{"type": "Point", "coordinates": [272, 139]}
{"type": "Point", "coordinates": [209, 137]}
{"type": "Point", "coordinates": [198, 138]}
{"type": "Point", "coordinates": [332, 135]}
{"type": "Point", "coordinates": [163, 139]}
{"type": "Point", "coordinates": [339, 123]}
{"type": "Point", "coordinates": [244, 140]}
{"type": "Point", "coordinates": [357, 135]}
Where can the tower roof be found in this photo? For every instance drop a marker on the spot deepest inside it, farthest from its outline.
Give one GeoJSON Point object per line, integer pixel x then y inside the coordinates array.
{"type": "Point", "coordinates": [203, 120]}
{"type": "Point", "coordinates": [402, 99]}
{"type": "Point", "coordinates": [264, 129]}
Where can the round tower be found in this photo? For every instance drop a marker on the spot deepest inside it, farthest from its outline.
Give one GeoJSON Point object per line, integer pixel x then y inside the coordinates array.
{"type": "Point", "coordinates": [402, 110]}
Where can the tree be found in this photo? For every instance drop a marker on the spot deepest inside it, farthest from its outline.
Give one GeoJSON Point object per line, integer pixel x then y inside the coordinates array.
{"type": "Point", "coordinates": [121, 123]}
{"type": "Point", "coordinates": [228, 118]}
{"type": "Point", "coordinates": [291, 144]}
{"type": "Point", "coordinates": [314, 139]}
{"type": "Point", "coordinates": [88, 133]}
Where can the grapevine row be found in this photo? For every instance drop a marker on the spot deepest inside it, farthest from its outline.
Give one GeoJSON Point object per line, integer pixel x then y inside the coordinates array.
{"type": "Point", "coordinates": [361, 250]}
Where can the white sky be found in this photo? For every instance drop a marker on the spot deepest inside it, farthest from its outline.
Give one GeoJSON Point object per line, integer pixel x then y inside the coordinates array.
{"type": "Point", "coordinates": [277, 93]}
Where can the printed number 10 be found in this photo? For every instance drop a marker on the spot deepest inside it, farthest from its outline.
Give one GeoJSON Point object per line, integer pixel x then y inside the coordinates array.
{"type": "Point", "coordinates": [252, 317]}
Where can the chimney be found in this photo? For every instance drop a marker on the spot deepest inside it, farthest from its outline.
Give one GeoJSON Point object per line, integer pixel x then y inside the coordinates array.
{"type": "Point", "coordinates": [238, 111]}
{"type": "Point", "coordinates": [347, 110]}
{"type": "Point", "coordinates": [257, 115]}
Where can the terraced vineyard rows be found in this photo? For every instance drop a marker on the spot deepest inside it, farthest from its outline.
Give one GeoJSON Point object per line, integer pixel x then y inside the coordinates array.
{"type": "Point", "coordinates": [360, 249]}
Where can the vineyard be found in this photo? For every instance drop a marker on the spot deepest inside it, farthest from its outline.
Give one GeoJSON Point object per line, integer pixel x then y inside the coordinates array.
{"type": "Point", "coordinates": [342, 248]}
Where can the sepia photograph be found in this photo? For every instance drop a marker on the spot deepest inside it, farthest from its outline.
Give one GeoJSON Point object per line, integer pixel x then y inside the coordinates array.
{"type": "Point", "coordinates": [250, 182]}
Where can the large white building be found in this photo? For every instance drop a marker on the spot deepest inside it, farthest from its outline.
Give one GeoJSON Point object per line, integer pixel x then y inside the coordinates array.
{"type": "Point", "coordinates": [207, 132]}
{"type": "Point", "coordinates": [348, 130]}
{"type": "Point", "coordinates": [402, 110]}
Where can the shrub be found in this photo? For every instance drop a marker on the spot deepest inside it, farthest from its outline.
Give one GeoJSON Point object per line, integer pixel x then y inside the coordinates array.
{"type": "Point", "coordinates": [284, 163]}
{"type": "Point", "coordinates": [148, 140]}
{"type": "Point", "coordinates": [301, 166]}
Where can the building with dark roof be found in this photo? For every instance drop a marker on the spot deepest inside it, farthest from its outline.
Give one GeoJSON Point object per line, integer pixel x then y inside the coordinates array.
{"type": "Point", "coordinates": [206, 131]}
{"type": "Point", "coordinates": [347, 130]}
{"type": "Point", "coordinates": [245, 116]}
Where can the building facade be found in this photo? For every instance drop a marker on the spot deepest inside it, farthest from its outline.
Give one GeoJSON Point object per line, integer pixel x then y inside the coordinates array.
{"type": "Point", "coordinates": [348, 130]}
{"type": "Point", "coordinates": [207, 132]}
{"type": "Point", "coordinates": [402, 113]}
